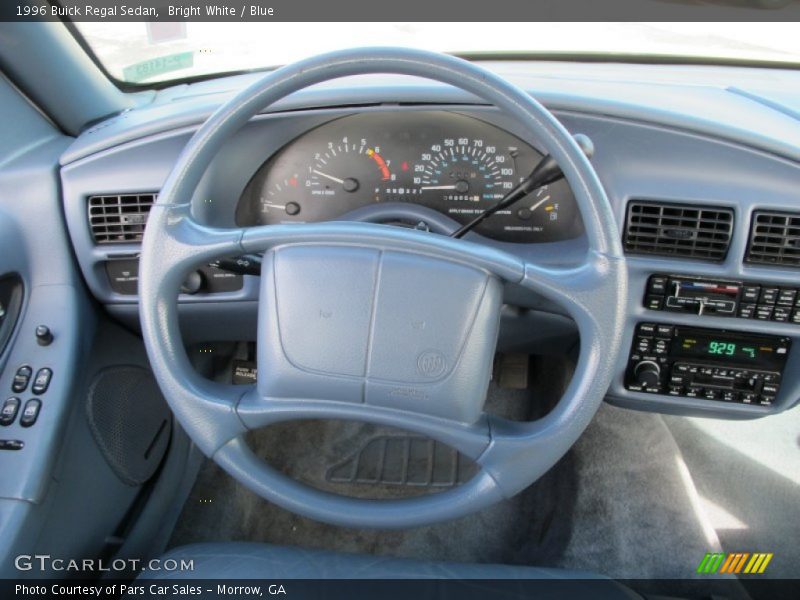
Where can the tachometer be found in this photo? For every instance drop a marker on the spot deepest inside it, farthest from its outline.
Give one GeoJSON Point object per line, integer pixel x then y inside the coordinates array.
{"type": "Point", "coordinates": [334, 170]}
{"type": "Point", "coordinates": [320, 182]}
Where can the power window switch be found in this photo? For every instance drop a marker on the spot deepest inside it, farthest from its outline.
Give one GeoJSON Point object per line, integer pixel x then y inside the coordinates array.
{"type": "Point", "coordinates": [21, 379]}
{"type": "Point", "coordinates": [31, 412]}
{"type": "Point", "coordinates": [9, 411]}
{"type": "Point", "coordinates": [42, 381]}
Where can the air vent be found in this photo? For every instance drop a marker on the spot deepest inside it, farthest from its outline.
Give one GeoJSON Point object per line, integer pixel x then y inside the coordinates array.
{"type": "Point", "coordinates": [774, 239]}
{"type": "Point", "coordinates": [119, 219]}
{"type": "Point", "coordinates": [680, 230]}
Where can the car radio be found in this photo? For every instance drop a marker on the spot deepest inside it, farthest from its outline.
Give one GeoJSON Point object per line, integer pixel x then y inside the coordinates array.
{"type": "Point", "coordinates": [712, 364]}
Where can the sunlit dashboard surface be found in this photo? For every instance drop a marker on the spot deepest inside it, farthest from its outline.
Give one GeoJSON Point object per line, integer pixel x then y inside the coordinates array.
{"type": "Point", "coordinates": [451, 163]}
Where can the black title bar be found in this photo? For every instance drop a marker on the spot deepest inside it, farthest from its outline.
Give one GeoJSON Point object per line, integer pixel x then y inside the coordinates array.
{"type": "Point", "coordinates": [451, 11]}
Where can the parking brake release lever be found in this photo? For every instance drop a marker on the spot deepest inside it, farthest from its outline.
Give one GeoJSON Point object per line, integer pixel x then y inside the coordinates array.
{"type": "Point", "coordinates": [547, 171]}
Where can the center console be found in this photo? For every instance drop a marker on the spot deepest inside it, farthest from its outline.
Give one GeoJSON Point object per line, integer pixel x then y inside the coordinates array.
{"type": "Point", "coordinates": [713, 364]}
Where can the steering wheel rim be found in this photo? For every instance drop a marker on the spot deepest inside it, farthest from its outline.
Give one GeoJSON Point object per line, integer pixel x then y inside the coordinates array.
{"type": "Point", "coordinates": [511, 455]}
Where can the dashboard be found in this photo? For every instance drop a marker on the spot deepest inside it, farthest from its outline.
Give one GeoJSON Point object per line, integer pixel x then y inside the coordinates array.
{"type": "Point", "coordinates": [454, 164]}
{"type": "Point", "coordinates": [699, 175]}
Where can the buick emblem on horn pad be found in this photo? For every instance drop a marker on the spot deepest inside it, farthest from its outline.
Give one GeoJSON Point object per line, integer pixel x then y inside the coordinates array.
{"type": "Point", "coordinates": [431, 363]}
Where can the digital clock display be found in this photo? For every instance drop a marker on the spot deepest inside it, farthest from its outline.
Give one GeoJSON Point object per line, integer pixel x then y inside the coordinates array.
{"type": "Point", "coordinates": [722, 348]}
{"type": "Point", "coordinates": [738, 349]}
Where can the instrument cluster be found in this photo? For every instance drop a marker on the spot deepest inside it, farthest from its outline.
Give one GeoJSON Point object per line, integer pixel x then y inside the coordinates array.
{"type": "Point", "coordinates": [455, 164]}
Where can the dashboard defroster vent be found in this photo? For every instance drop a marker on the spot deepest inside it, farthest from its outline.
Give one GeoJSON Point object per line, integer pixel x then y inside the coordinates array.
{"type": "Point", "coordinates": [119, 219]}
{"type": "Point", "coordinates": [774, 239]}
{"type": "Point", "coordinates": [678, 230]}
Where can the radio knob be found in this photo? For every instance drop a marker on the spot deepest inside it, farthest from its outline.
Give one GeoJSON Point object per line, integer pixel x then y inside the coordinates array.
{"type": "Point", "coordinates": [647, 373]}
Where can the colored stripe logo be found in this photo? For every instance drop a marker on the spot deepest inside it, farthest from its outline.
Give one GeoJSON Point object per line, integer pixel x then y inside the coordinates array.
{"type": "Point", "coordinates": [734, 562]}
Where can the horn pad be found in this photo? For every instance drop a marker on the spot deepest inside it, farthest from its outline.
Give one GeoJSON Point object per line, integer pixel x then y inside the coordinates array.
{"type": "Point", "coordinates": [385, 328]}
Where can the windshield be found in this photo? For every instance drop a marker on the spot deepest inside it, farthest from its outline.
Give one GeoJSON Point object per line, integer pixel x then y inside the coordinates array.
{"type": "Point", "coordinates": [145, 53]}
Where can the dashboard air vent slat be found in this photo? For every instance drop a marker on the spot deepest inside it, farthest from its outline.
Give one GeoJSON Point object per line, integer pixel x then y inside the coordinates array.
{"type": "Point", "coordinates": [774, 239]}
{"type": "Point", "coordinates": [679, 230]}
{"type": "Point", "coordinates": [119, 219]}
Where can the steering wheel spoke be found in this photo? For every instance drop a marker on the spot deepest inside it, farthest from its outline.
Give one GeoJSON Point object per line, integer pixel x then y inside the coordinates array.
{"type": "Point", "coordinates": [591, 290]}
{"type": "Point", "coordinates": [257, 412]}
{"type": "Point", "coordinates": [184, 243]}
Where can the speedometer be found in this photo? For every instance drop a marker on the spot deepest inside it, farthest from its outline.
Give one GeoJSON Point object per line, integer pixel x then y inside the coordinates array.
{"type": "Point", "coordinates": [465, 175]}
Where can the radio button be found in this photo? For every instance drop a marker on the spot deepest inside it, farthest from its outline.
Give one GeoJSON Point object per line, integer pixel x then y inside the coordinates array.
{"type": "Point", "coordinates": [665, 330]}
{"type": "Point", "coordinates": [694, 391]}
{"type": "Point", "coordinates": [750, 293]}
{"type": "Point", "coordinates": [781, 313]}
{"type": "Point", "coordinates": [647, 328]}
{"type": "Point", "coordinates": [768, 295]}
{"type": "Point", "coordinates": [786, 297]}
{"type": "Point", "coordinates": [711, 394]}
{"type": "Point", "coordinates": [657, 285]}
{"type": "Point", "coordinates": [767, 400]}
{"type": "Point", "coordinates": [676, 390]}
{"type": "Point", "coordinates": [763, 312]}
{"type": "Point", "coordinates": [748, 397]}
{"type": "Point", "coordinates": [796, 316]}
{"type": "Point", "coordinates": [769, 389]}
{"type": "Point", "coordinates": [746, 311]}
{"type": "Point", "coordinates": [653, 302]}
{"type": "Point", "coordinates": [730, 396]}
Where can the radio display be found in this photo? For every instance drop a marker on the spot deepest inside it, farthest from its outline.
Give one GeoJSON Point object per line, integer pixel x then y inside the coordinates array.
{"type": "Point", "coordinates": [740, 349]}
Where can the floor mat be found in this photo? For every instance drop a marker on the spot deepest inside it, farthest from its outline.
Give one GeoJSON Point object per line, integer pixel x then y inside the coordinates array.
{"type": "Point", "coordinates": [403, 459]}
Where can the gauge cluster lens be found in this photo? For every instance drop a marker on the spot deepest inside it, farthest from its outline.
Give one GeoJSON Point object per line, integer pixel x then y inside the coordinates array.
{"type": "Point", "coordinates": [452, 163]}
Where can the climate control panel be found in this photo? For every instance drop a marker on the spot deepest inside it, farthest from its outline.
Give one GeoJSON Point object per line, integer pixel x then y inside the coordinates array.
{"type": "Point", "coordinates": [723, 298]}
{"type": "Point", "coordinates": [711, 364]}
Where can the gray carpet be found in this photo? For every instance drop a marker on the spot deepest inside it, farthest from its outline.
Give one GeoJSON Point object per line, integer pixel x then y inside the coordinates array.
{"type": "Point", "coordinates": [617, 504]}
{"type": "Point", "coordinates": [748, 476]}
